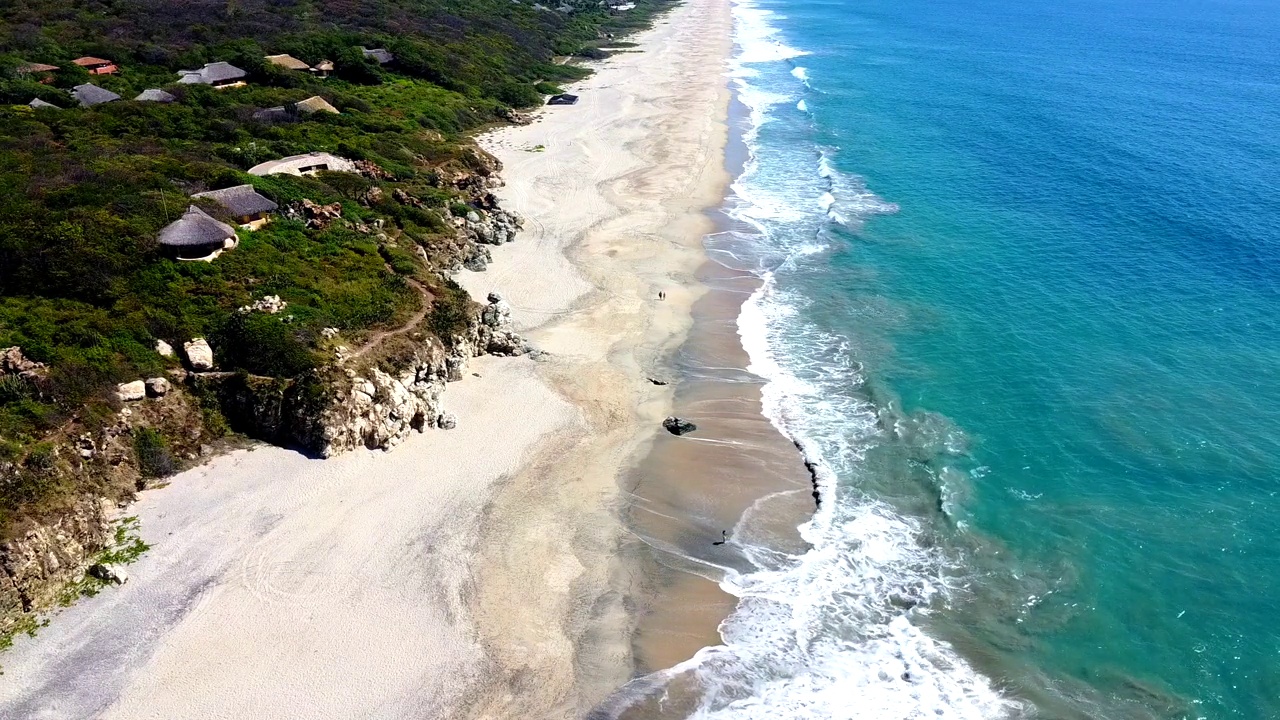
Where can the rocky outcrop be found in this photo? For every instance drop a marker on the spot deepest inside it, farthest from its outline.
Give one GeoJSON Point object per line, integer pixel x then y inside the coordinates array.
{"type": "Point", "coordinates": [493, 227]}
{"type": "Point", "coordinates": [379, 408]}
{"type": "Point", "coordinates": [495, 334]}
{"type": "Point", "coordinates": [14, 363]}
{"type": "Point", "coordinates": [313, 214]}
{"type": "Point", "coordinates": [35, 566]}
{"type": "Point", "coordinates": [344, 408]}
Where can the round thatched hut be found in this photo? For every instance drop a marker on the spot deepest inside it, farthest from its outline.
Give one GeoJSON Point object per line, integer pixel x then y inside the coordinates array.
{"type": "Point", "coordinates": [196, 236]}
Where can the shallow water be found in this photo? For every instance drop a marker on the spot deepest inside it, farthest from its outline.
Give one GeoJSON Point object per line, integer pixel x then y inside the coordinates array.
{"type": "Point", "coordinates": [1019, 307]}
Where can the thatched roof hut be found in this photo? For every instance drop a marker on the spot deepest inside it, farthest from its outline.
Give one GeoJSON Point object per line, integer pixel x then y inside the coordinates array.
{"type": "Point", "coordinates": [315, 104]}
{"type": "Point", "coordinates": [563, 99]}
{"type": "Point", "coordinates": [323, 68]}
{"type": "Point", "coordinates": [277, 114]}
{"type": "Point", "coordinates": [89, 95]}
{"type": "Point", "coordinates": [155, 95]}
{"type": "Point", "coordinates": [217, 74]}
{"type": "Point", "coordinates": [196, 236]}
{"type": "Point", "coordinates": [288, 62]}
{"type": "Point", "coordinates": [379, 55]}
{"type": "Point", "coordinates": [28, 67]}
{"type": "Point", "coordinates": [244, 203]}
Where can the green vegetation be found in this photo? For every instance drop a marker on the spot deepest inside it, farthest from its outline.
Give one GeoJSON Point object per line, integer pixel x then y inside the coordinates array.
{"type": "Point", "coordinates": [126, 547]}
{"type": "Point", "coordinates": [84, 192]}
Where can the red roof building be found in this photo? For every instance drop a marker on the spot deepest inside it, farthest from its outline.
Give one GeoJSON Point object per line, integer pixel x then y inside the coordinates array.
{"type": "Point", "coordinates": [97, 66]}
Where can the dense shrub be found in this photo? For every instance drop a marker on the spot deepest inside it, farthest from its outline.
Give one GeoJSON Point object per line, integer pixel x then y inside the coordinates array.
{"type": "Point", "coordinates": [451, 311]}
{"type": "Point", "coordinates": [154, 458]}
{"type": "Point", "coordinates": [263, 345]}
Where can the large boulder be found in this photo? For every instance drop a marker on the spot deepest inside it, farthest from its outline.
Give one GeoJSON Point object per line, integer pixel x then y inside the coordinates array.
{"type": "Point", "coordinates": [131, 391]}
{"type": "Point", "coordinates": [678, 426]}
{"type": "Point", "coordinates": [164, 349]}
{"type": "Point", "coordinates": [110, 572]}
{"type": "Point", "coordinates": [157, 387]}
{"type": "Point", "coordinates": [199, 355]}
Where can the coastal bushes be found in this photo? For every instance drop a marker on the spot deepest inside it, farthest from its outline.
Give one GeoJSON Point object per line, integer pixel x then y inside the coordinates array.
{"type": "Point", "coordinates": [154, 458]}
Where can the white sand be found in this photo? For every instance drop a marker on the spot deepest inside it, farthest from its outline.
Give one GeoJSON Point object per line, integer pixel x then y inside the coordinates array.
{"type": "Point", "coordinates": [284, 587]}
{"type": "Point", "coordinates": [466, 573]}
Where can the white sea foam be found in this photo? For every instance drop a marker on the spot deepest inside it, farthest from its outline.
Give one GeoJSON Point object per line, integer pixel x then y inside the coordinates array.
{"type": "Point", "coordinates": [830, 633]}
{"type": "Point", "coordinates": [802, 106]}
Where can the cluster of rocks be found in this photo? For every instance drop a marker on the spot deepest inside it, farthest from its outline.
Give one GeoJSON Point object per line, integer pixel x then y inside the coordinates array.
{"type": "Point", "coordinates": [14, 363]}
{"type": "Point", "coordinates": [476, 231]}
{"type": "Point", "coordinates": [515, 118]}
{"type": "Point", "coordinates": [269, 304]}
{"type": "Point", "coordinates": [495, 333]}
{"type": "Point", "coordinates": [155, 387]}
{"type": "Point", "coordinates": [314, 214]}
{"type": "Point", "coordinates": [370, 169]}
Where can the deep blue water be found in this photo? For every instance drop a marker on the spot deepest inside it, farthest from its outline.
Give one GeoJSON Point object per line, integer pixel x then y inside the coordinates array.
{"type": "Point", "coordinates": [1023, 306]}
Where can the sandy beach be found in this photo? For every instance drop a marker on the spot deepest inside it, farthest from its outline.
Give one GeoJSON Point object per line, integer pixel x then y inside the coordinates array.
{"type": "Point", "coordinates": [472, 572]}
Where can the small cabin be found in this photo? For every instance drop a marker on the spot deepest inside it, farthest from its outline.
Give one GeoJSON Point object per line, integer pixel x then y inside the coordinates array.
{"type": "Point", "coordinates": [315, 104]}
{"type": "Point", "coordinates": [97, 66]}
{"type": "Point", "coordinates": [40, 72]}
{"type": "Point", "coordinates": [308, 164]}
{"type": "Point", "coordinates": [288, 62]}
{"type": "Point", "coordinates": [90, 95]}
{"type": "Point", "coordinates": [379, 55]}
{"type": "Point", "coordinates": [322, 69]}
{"type": "Point", "coordinates": [563, 99]}
{"type": "Point", "coordinates": [197, 237]}
{"type": "Point", "coordinates": [242, 202]}
{"type": "Point", "coordinates": [277, 114]}
{"type": "Point", "coordinates": [155, 95]}
{"type": "Point", "coordinates": [220, 75]}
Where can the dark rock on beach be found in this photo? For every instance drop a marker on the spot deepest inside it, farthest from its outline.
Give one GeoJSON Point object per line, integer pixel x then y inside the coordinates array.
{"type": "Point", "coordinates": [677, 426]}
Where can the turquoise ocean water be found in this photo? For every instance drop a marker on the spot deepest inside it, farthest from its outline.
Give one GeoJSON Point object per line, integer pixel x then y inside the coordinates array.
{"type": "Point", "coordinates": [1022, 308]}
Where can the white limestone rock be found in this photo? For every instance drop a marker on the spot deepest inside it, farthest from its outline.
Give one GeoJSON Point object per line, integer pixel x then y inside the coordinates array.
{"type": "Point", "coordinates": [199, 355]}
{"type": "Point", "coordinates": [131, 391]}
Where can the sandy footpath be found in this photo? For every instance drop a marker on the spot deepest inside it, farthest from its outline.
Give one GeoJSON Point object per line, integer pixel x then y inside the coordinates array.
{"type": "Point", "coordinates": [467, 573]}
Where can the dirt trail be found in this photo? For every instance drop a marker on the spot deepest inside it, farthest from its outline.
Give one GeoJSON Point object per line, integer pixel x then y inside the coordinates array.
{"type": "Point", "coordinates": [377, 338]}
